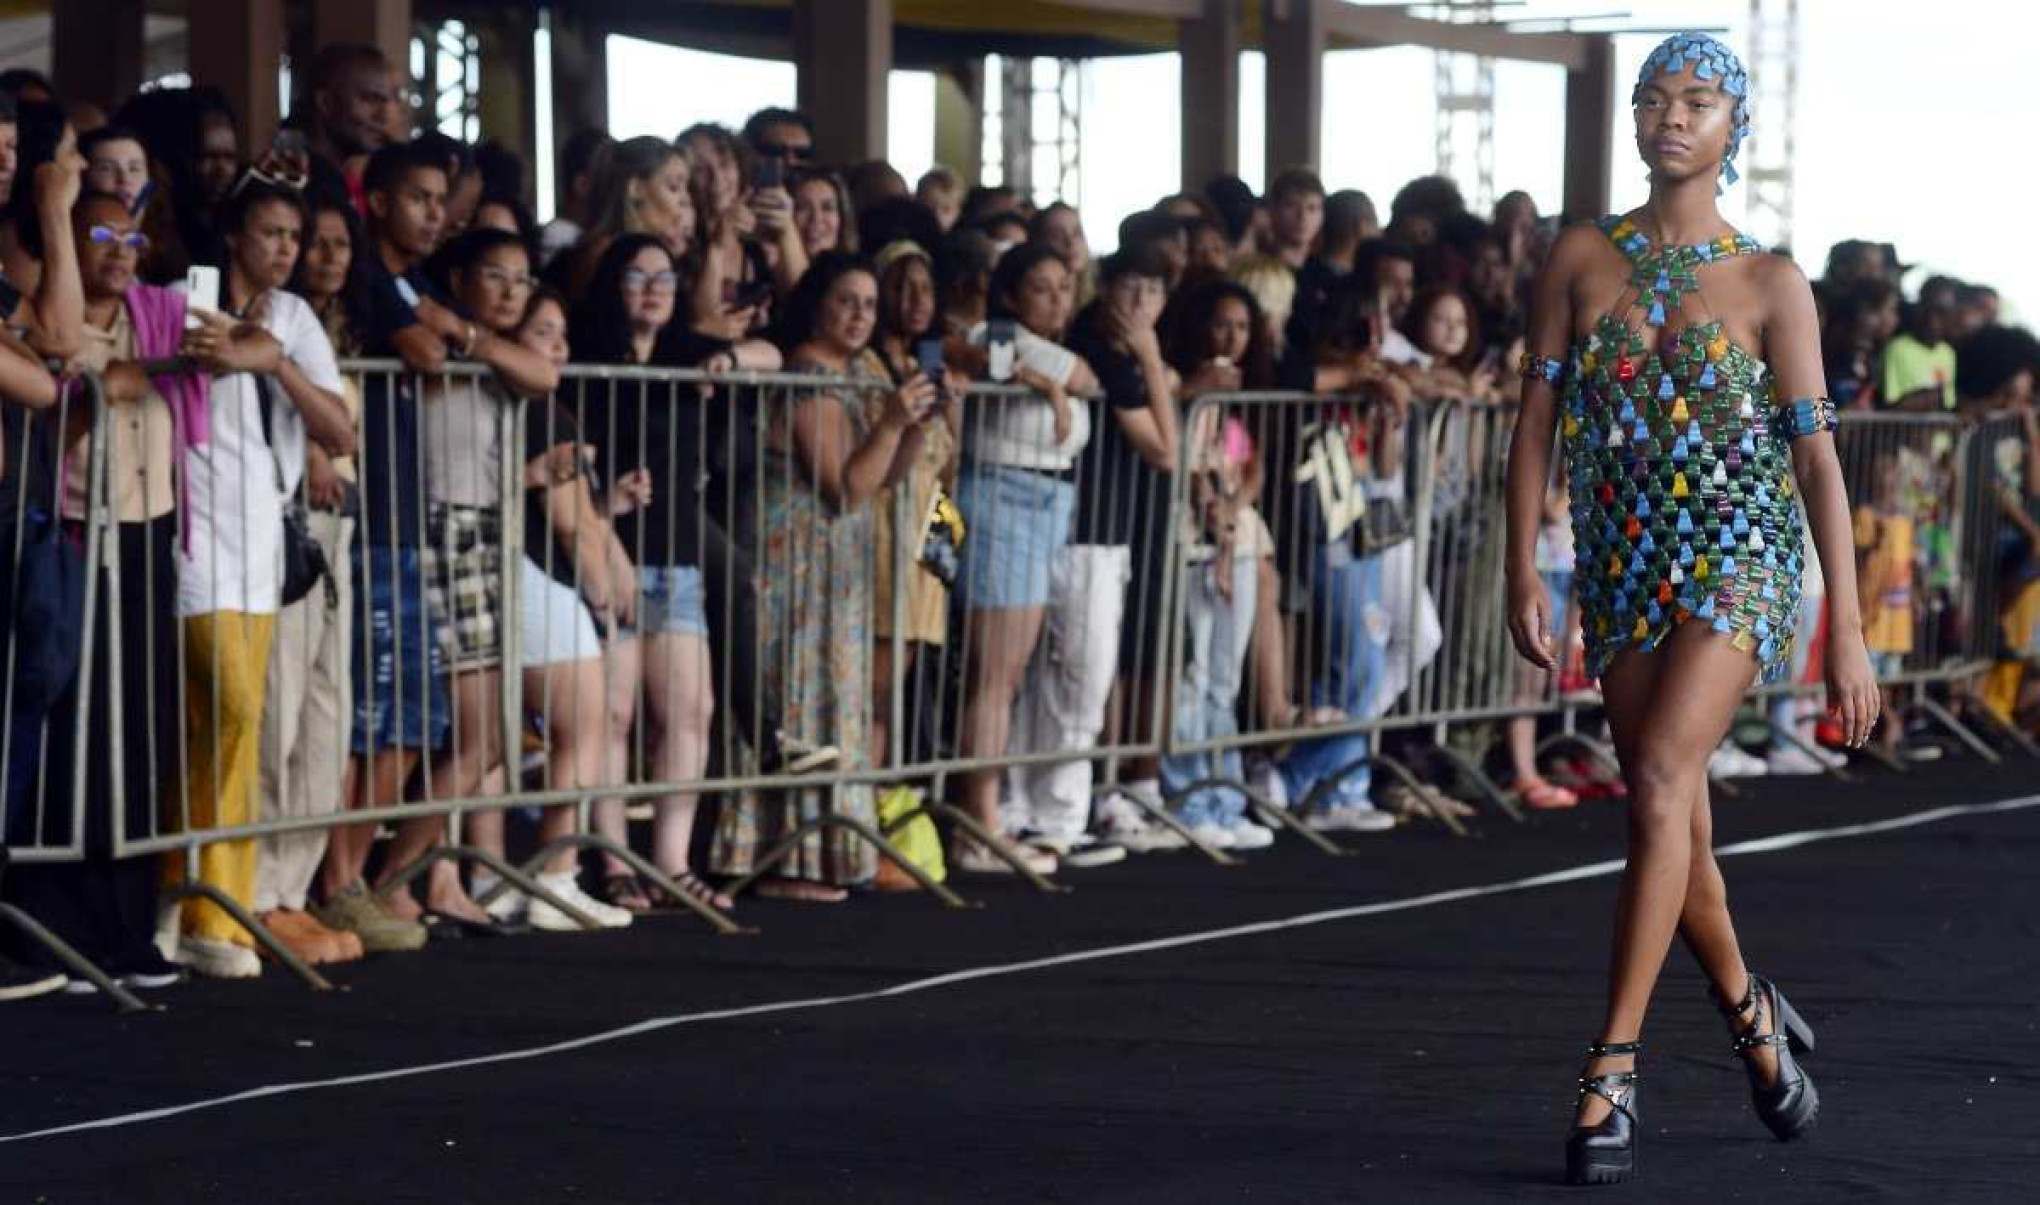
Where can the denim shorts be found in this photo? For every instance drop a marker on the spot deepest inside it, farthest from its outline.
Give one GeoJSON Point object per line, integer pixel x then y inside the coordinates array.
{"type": "Point", "coordinates": [675, 600]}
{"type": "Point", "coordinates": [1558, 597]}
{"type": "Point", "coordinates": [1015, 520]}
{"type": "Point", "coordinates": [400, 690]}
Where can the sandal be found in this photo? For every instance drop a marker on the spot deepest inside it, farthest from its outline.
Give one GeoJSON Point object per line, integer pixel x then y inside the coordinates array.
{"type": "Point", "coordinates": [1544, 796]}
{"type": "Point", "coordinates": [626, 892]}
{"type": "Point", "coordinates": [802, 891]}
{"type": "Point", "coordinates": [693, 886]}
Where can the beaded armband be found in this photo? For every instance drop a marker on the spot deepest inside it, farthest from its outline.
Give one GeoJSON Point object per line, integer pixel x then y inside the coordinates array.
{"type": "Point", "coordinates": [1540, 368]}
{"type": "Point", "coordinates": [1806, 416]}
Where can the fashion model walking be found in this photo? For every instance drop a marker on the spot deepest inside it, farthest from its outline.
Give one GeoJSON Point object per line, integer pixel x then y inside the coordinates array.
{"type": "Point", "coordinates": [1682, 365]}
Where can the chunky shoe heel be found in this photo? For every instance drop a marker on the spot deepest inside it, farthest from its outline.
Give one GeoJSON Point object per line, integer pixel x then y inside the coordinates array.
{"type": "Point", "coordinates": [1605, 1152]}
{"type": "Point", "coordinates": [1790, 1104]}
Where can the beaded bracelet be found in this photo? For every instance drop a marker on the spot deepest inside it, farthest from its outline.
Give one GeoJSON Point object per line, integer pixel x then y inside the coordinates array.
{"type": "Point", "coordinates": [1806, 416]}
{"type": "Point", "coordinates": [1540, 368]}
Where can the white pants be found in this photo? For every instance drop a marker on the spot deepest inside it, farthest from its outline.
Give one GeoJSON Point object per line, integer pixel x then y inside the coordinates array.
{"type": "Point", "coordinates": [305, 726]}
{"type": "Point", "coordinates": [1061, 706]}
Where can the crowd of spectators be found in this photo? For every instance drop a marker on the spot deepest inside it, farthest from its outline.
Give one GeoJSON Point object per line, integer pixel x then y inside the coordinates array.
{"type": "Point", "coordinates": [706, 573]}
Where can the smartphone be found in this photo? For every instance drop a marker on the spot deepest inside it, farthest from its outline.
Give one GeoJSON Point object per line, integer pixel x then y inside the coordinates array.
{"type": "Point", "coordinates": [750, 293]}
{"type": "Point", "coordinates": [768, 172]}
{"type": "Point", "coordinates": [201, 292]}
{"type": "Point", "coordinates": [290, 142]}
{"type": "Point", "coordinates": [999, 348]}
{"type": "Point", "coordinates": [928, 355]}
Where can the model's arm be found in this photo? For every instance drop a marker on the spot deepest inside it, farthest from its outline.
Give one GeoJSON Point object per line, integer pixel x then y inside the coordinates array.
{"type": "Point", "coordinates": [1792, 347]}
{"type": "Point", "coordinates": [1549, 338]}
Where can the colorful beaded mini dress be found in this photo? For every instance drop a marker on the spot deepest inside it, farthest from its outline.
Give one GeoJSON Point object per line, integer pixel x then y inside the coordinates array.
{"type": "Point", "coordinates": [1678, 460]}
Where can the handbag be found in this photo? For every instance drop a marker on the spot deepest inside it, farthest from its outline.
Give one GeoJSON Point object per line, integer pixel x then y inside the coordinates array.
{"type": "Point", "coordinates": [942, 542]}
{"type": "Point", "coordinates": [304, 561]}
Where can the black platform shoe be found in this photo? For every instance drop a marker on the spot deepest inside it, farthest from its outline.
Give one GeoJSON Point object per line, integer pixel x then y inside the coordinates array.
{"type": "Point", "coordinates": [1790, 1105]}
{"type": "Point", "coordinates": [1605, 1152]}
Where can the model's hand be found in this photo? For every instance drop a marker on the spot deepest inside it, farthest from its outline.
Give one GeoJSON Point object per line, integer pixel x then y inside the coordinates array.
{"type": "Point", "coordinates": [1852, 694]}
{"type": "Point", "coordinates": [1530, 621]}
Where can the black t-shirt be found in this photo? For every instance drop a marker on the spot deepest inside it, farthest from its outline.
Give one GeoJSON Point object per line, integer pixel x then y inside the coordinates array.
{"type": "Point", "coordinates": [392, 462]}
{"type": "Point", "coordinates": [1120, 499]}
{"type": "Point", "coordinates": [547, 425]}
{"type": "Point", "coordinates": [1314, 281]}
{"type": "Point", "coordinates": [693, 448]}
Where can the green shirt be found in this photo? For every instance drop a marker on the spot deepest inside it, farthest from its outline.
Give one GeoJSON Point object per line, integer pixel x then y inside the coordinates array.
{"type": "Point", "coordinates": [1910, 365]}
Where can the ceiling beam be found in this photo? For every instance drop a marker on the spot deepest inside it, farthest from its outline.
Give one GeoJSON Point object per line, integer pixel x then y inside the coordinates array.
{"type": "Point", "coordinates": [1353, 25]}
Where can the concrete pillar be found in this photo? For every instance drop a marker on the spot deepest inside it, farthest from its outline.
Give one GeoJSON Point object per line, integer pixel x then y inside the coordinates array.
{"type": "Point", "coordinates": [844, 49]}
{"type": "Point", "coordinates": [1294, 33]}
{"type": "Point", "coordinates": [1210, 46]}
{"type": "Point", "coordinates": [96, 50]}
{"type": "Point", "coordinates": [509, 81]}
{"type": "Point", "coordinates": [580, 78]}
{"type": "Point", "coordinates": [384, 23]}
{"type": "Point", "coordinates": [960, 119]}
{"type": "Point", "coordinates": [235, 47]}
{"type": "Point", "coordinates": [1589, 118]}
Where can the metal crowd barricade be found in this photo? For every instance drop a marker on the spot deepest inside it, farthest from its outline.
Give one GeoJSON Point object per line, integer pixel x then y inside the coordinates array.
{"type": "Point", "coordinates": [56, 504]}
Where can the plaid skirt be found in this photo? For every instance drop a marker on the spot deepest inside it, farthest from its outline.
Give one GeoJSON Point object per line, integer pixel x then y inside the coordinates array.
{"type": "Point", "coordinates": [463, 562]}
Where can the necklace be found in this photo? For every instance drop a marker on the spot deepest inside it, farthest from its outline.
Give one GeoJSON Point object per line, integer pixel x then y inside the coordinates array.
{"type": "Point", "coordinates": [1663, 275]}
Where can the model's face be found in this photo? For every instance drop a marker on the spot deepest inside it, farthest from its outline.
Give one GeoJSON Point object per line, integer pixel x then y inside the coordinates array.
{"type": "Point", "coordinates": [1445, 328]}
{"type": "Point", "coordinates": [545, 332]}
{"type": "Point", "coordinates": [1231, 330]}
{"type": "Point", "coordinates": [849, 313]}
{"type": "Point", "coordinates": [1683, 124]}
{"type": "Point", "coordinates": [818, 215]}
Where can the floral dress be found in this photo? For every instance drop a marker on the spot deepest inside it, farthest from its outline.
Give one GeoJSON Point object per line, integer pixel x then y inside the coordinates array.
{"type": "Point", "coordinates": [814, 583]}
{"type": "Point", "coordinates": [1678, 457]}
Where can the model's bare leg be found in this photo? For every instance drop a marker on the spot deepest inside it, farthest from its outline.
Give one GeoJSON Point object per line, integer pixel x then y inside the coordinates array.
{"type": "Point", "coordinates": [1709, 932]}
{"type": "Point", "coordinates": [1668, 710]}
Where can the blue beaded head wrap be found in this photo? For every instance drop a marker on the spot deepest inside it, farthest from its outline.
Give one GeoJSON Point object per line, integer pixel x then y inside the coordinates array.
{"type": "Point", "coordinates": [1710, 60]}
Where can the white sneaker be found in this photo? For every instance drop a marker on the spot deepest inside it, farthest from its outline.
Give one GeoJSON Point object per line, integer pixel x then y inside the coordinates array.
{"type": "Point", "coordinates": [1216, 836]}
{"type": "Point", "coordinates": [545, 916]}
{"type": "Point", "coordinates": [1265, 780]}
{"type": "Point", "coordinates": [1790, 760]}
{"type": "Point", "coordinates": [218, 959]}
{"type": "Point", "coordinates": [1123, 823]}
{"type": "Point", "coordinates": [971, 857]}
{"type": "Point", "coordinates": [1729, 761]}
{"type": "Point", "coordinates": [1081, 852]}
{"type": "Point", "coordinates": [1248, 835]}
{"type": "Point", "coordinates": [1350, 819]}
{"type": "Point", "coordinates": [511, 907]}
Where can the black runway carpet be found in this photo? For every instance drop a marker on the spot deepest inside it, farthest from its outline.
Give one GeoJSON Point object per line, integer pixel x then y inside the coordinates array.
{"type": "Point", "coordinates": [1426, 1053]}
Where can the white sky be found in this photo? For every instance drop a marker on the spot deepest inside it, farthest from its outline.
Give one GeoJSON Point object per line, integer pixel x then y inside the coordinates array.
{"type": "Point", "coordinates": [1909, 131]}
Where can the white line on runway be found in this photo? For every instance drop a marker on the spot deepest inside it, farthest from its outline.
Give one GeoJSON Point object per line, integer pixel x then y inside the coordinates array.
{"type": "Point", "coordinates": [1590, 870]}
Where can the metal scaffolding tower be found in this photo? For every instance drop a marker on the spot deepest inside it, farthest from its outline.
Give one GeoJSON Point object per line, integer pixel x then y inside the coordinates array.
{"type": "Point", "coordinates": [1774, 85]}
{"type": "Point", "coordinates": [1458, 95]}
{"type": "Point", "coordinates": [1033, 127]}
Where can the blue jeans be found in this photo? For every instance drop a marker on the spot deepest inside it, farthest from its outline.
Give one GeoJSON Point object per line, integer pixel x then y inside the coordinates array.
{"type": "Point", "coordinates": [1352, 624]}
{"type": "Point", "coordinates": [1214, 654]}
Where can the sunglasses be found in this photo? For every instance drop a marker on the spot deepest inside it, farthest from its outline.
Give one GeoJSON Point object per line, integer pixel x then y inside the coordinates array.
{"type": "Point", "coordinates": [657, 280]}
{"type": "Point", "coordinates": [781, 150]}
{"type": "Point", "coordinates": [133, 240]}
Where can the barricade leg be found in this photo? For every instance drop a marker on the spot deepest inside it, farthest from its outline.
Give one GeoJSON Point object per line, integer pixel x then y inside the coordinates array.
{"type": "Point", "coordinates": [73, 961]}
{"type": "Point", "coordinates": [637, 862]}
{"type": "Point", "coordinates": [1940, 714]}
{"type": "Point", "coordinates": [196, 889]}
{"type": "Point", "coordinates": [1163, 815]}
{"type": "Point", "coordinates": [885, 849]}
{"type": "Point", "coordinates": [512, 877]}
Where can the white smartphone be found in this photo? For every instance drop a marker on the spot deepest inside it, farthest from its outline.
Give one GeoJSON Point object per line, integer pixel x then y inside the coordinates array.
{"type": "Point", "coordinates": [1000, 349]}
{"type": "Point", "coordinates": [201, 292]}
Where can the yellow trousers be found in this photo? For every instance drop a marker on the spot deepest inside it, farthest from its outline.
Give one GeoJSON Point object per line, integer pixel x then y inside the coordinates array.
{"type": "Point", "coordinates": [226, 668]}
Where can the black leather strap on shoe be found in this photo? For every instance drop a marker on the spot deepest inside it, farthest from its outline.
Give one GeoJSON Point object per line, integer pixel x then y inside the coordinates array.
{"type": "Point", "coordinates": [1615, 1087]}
